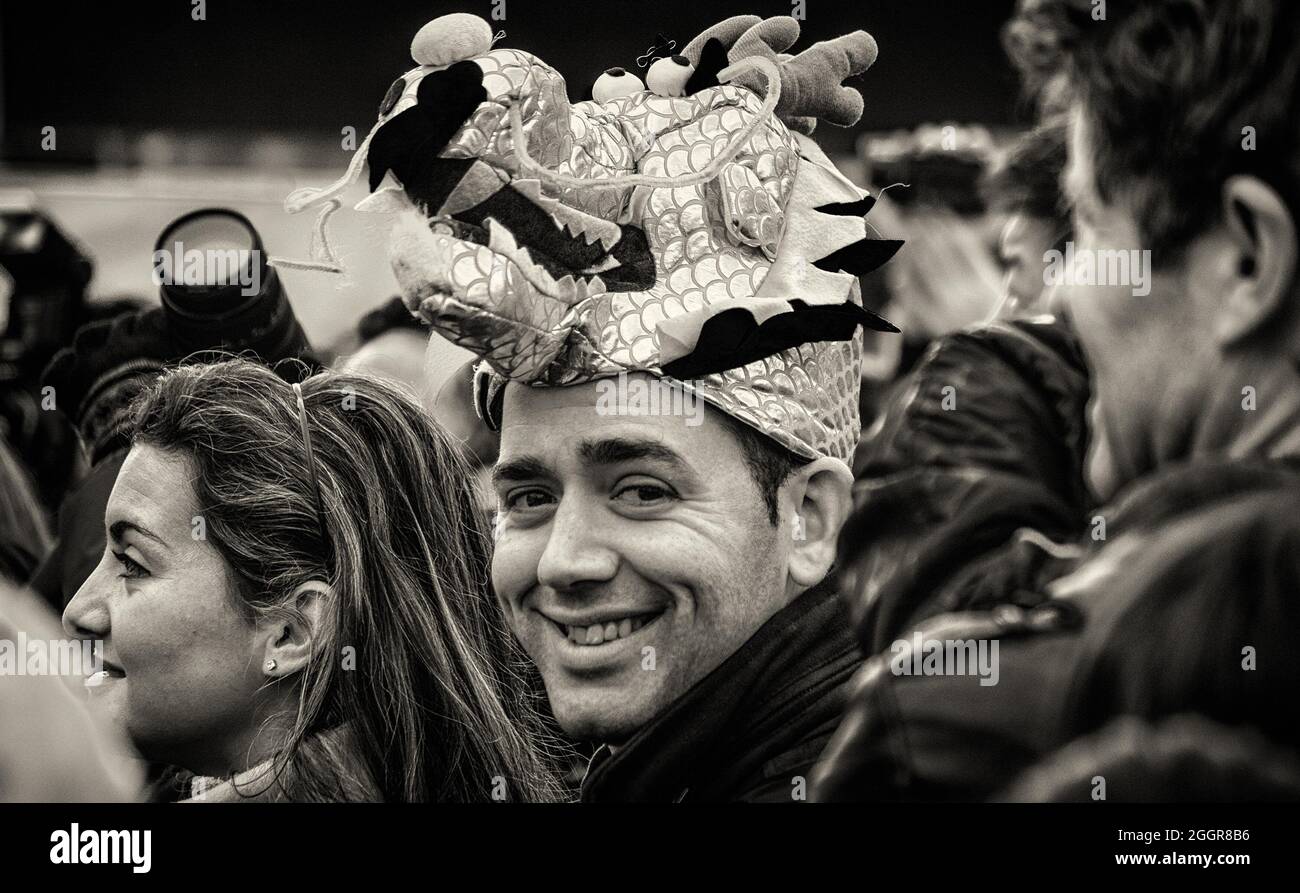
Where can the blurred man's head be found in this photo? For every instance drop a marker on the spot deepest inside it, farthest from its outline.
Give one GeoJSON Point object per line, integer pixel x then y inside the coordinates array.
{"type": "Point", "coordinates": [1184, 161]}
{"type": "Point", "coordinates": [1024, 190]}
{"type": "Point", "coordinates": [636, 553]}
{"type": "Point", "coordinates": [391, 344]}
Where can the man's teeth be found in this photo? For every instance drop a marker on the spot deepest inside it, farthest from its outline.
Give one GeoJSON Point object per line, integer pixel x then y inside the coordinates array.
{"type": "Point", "coordinates": [599, 633]}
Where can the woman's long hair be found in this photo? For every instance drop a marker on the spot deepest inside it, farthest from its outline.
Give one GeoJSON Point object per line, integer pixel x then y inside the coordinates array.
{"type": "Point", "coordinates": [417, 691]}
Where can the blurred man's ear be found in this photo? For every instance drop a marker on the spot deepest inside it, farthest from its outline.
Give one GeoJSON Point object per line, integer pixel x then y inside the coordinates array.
{"type": "Point", "coordinates": [1259, 269]}
{"type": "Point", "coordinates": [820, 495]}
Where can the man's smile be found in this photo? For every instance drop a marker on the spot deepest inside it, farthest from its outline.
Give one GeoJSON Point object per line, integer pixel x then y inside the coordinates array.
{"type": "Point", "coordinates": [583, 640]}
{"type": "Point", "coordinates": [598, 632]}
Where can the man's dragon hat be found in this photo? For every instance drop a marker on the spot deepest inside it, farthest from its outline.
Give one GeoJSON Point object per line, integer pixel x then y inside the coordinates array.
{"type": "Point", "coordinates": [690, 230]}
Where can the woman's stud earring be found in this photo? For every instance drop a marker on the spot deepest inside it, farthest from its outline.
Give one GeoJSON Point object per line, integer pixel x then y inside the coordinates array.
{"type": "Point", "coordinates": [270, 666]}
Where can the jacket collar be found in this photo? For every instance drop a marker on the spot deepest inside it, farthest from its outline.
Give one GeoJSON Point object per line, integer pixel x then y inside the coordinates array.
{"type": "Point", "coordinates": [761, 701]}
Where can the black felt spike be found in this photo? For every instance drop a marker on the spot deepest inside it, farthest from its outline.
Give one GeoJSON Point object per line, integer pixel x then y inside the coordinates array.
{"type": "Point", "coordinates": [713, 58]}
{"type": "Point", "coordinates": [861, 257]}
{"type": "Point", "coordinates": [866, 318]}
{"type": "Point", "coordinates": [393, 144]}
{"type": "Point", "coordinates": [849, 209]}
{"type": "Point", "coordinates": [733, 338]}
{"type": "Point", "coordinates": [428, 179]}
{"type": "Point", "coordinates": [450, 96]}
{"type": "Point", "coordinates": [444, 100]}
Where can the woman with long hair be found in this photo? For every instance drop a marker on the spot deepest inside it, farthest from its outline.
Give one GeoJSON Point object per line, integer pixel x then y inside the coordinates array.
{"type": "Point", "coordinates": [294, 603]}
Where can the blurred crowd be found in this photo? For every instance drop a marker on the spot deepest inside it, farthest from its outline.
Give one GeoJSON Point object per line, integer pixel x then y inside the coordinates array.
{"type": "Point", "coordinates": [301, 571]}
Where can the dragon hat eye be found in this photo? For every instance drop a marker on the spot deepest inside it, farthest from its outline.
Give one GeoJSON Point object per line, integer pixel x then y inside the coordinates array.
{"type": "Point", "coordinates": [616, 83]}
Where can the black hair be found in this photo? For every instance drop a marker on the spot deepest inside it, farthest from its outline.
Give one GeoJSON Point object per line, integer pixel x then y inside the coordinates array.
{"type": "Point", "coordinates": [1167, 89]}
{"type": "Point", "coordinates": [769, 463]}
{"type": "Point", "coordinates": [1027, 179]}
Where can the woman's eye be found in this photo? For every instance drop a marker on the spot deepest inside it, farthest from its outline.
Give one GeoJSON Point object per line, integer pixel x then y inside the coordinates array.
{"type": "Point", "coordinates": [130, 568]}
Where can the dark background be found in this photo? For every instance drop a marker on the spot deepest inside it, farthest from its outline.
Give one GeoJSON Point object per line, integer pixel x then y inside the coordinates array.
{"type": "Point", "coordinates": [299, 67]}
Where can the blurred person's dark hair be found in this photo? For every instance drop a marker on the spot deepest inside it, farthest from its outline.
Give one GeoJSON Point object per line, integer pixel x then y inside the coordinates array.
{"type": "Point", "coordinates": [50, 273]}
{"type": "Point", "coordinates": [935, 165]}
{"type": "Point", "coordinates": [392, 314]}
{"type": "Point", "coordinates": [1026, 179]}
{"type": "Point", "coordinates": [102, 309]}
{"type": "Point", "coordinates": [389, 342]}
{"type": "Point", "coordinates": [24, 531]}
{"type": "Point", "coordinates": [1167, 88]}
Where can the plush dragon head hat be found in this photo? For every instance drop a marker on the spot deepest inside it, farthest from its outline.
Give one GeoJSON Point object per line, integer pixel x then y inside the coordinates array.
{"type": "Point", "coordinates": [691, 230]}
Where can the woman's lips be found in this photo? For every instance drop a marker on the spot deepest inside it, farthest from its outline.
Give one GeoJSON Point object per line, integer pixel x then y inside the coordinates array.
{"type": "Point", "coordinates": [107, 671]}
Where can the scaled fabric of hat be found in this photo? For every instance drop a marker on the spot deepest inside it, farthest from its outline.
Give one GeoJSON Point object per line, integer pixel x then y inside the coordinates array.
{"type": "Point", "coordinates": [690, 230]}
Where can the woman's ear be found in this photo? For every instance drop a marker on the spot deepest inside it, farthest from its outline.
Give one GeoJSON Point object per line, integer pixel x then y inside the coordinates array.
{"type": "Point", "coordinates": [289, 638]}
{"type": "Point", "coordinates": [1261, 234]}
{"type": "Point", "coordinates": [822, 496]}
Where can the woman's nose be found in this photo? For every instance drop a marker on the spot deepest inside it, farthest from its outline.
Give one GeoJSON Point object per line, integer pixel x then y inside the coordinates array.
{"type": "Point", "coordinates": [87, 615]}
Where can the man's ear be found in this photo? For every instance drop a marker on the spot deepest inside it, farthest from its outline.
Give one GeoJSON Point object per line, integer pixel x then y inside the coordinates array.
{"type": "Point", "coordinates": [1262, 235]}
{"type": "Point", "coordinates": [820, 493]}
{"type": "Point", "coordinates": [288, 638]}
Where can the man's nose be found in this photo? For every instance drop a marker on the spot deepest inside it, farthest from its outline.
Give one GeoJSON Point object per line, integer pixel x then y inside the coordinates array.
{"type": "Point", "coordinates": [576, 552]}
{"type": "Point", "coordinates": [87, 615]}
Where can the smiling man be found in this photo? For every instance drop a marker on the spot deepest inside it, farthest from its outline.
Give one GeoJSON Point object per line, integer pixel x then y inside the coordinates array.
{"type": "Point", "coordinates": [636, 556]}
{"type": "Point", "coordinates": [665, 562]}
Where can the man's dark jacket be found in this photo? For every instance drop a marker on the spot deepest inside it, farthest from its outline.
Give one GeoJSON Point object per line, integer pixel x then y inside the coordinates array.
{"type": "Point", "coordinates": [752, 729]}
{"type": "Point", "coordinates": [970, 525]}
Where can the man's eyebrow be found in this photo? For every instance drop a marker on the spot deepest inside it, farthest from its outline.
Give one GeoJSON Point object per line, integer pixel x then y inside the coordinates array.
{"type": "Point", "coordinates": [523, 468]}
{"type": "Point", "coordinates": [119, 529]}
{"type": "Point", "coordinates": [614, 450]}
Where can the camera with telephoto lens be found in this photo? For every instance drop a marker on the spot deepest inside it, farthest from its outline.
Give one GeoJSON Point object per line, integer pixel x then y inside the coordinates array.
{"type": "Point", "coordinates": [218, 291]}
